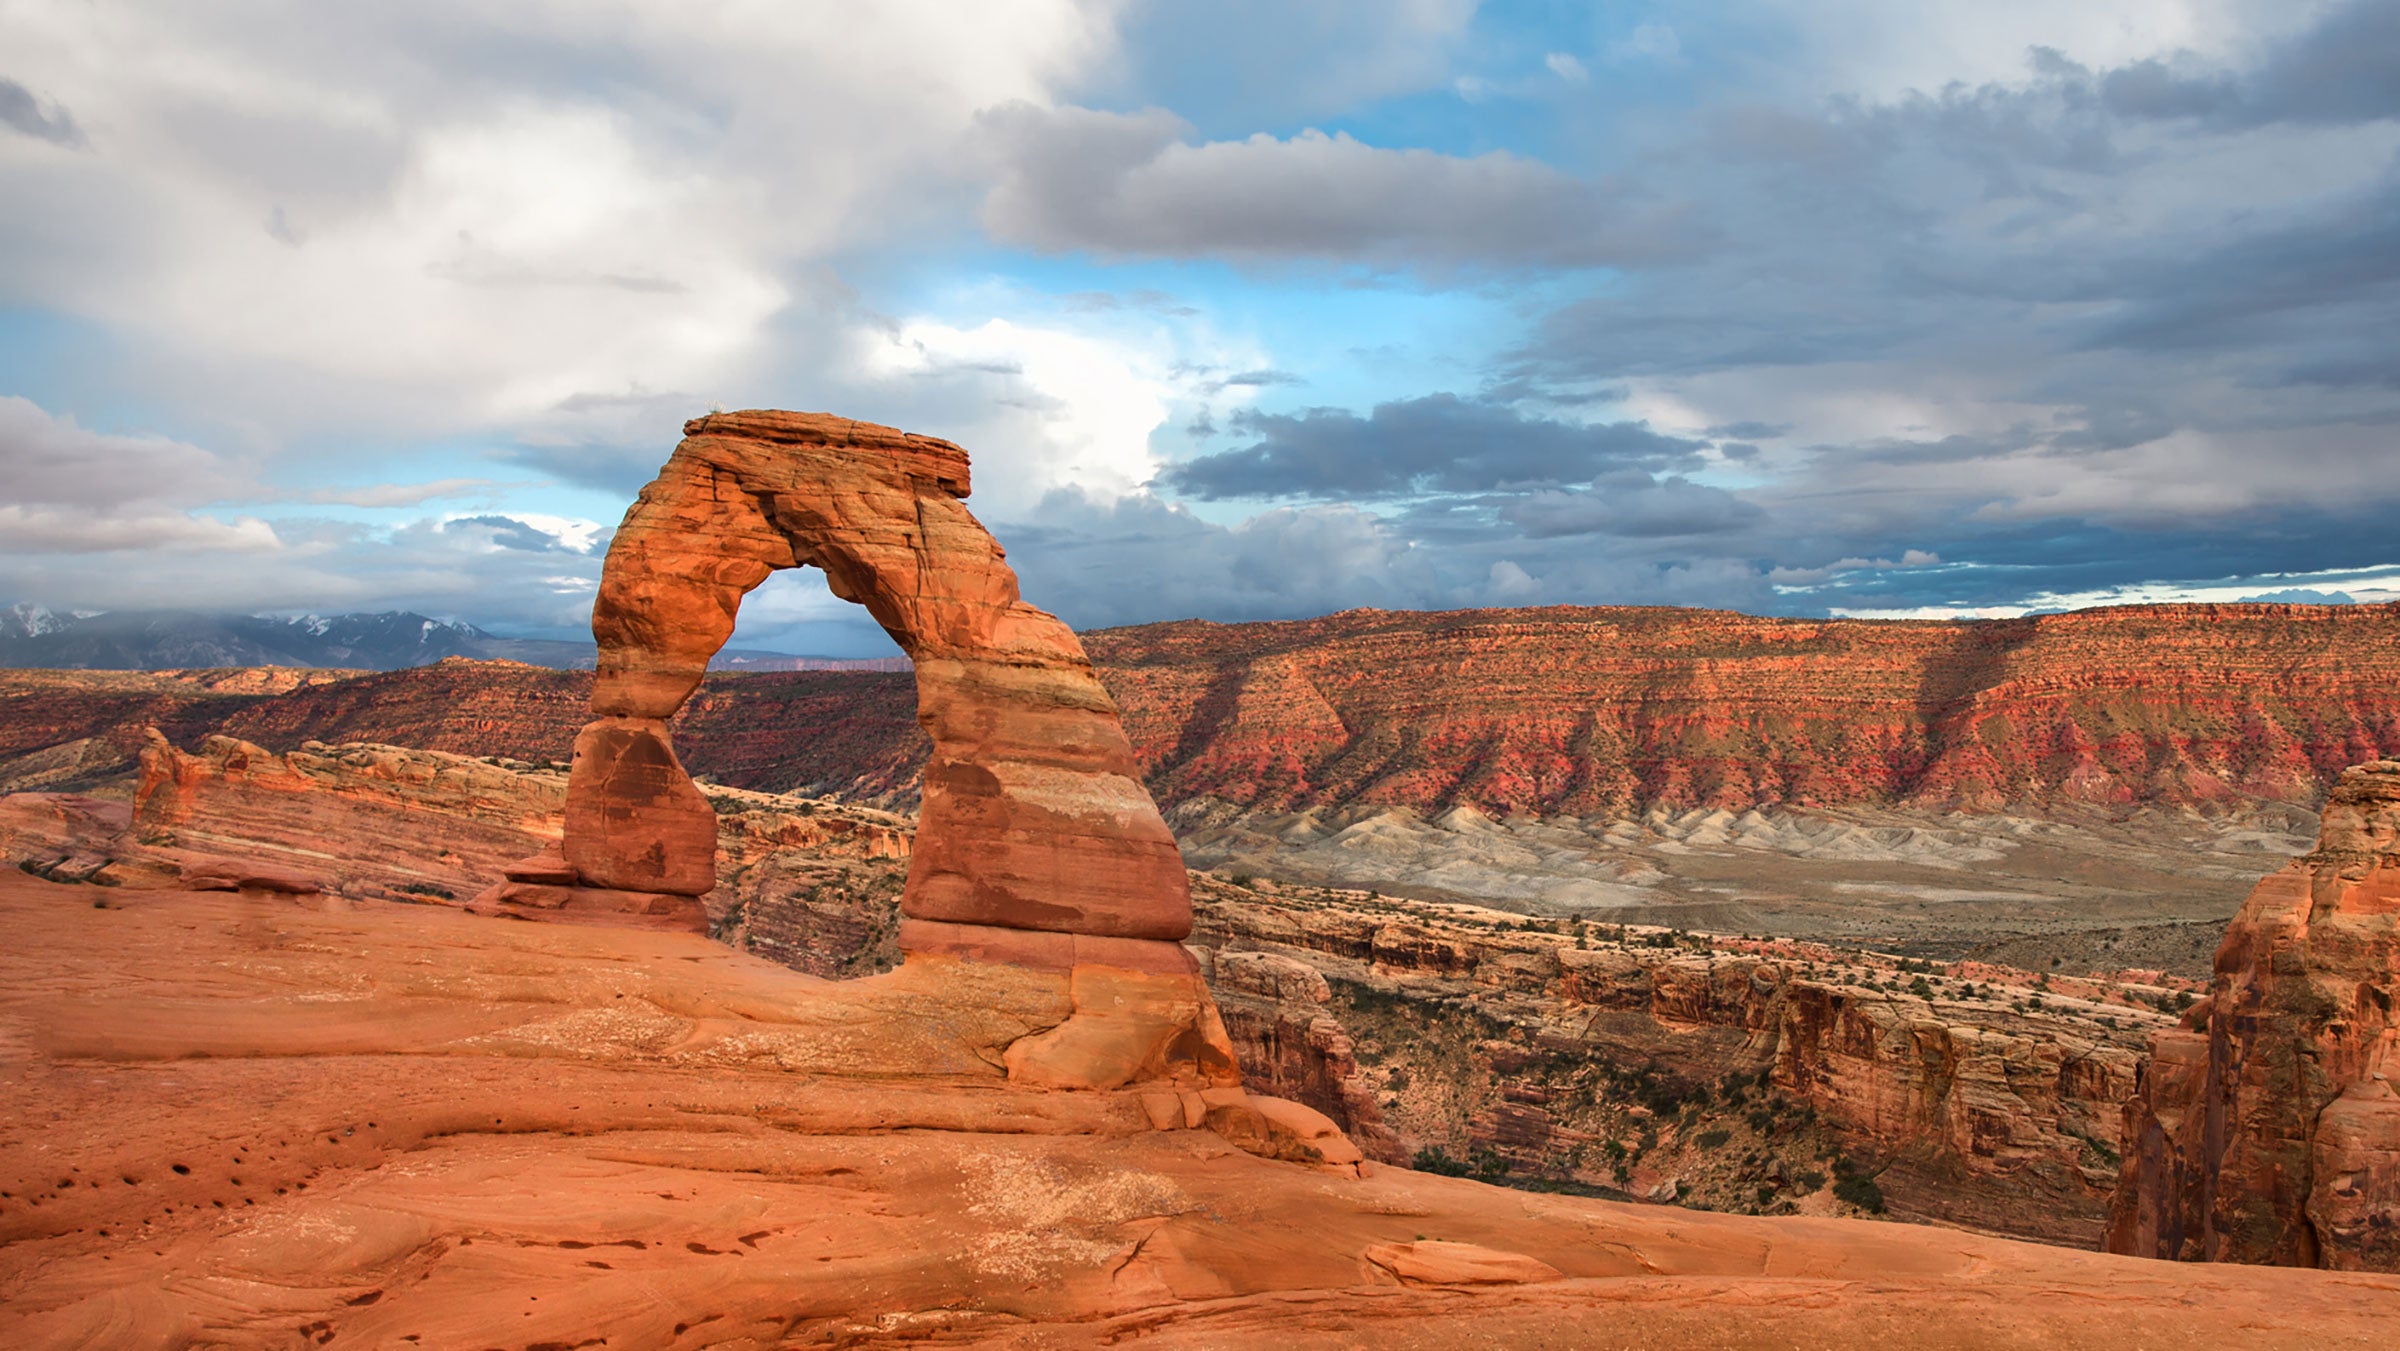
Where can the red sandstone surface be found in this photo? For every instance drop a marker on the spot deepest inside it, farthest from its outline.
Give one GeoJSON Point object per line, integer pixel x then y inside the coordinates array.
{"type": "Point", "coordinates": [246, 1122]}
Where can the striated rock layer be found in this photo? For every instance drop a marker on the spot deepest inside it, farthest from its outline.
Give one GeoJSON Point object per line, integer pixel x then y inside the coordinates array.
{"type": "Point", "coordinates": [1718, 1071]}
{"type": "Point", "coordinates": [1601, 711]}
{"type": "Point", "coordinates": [1583, 711]}
{"type": "Point", "coordinates": [805, 880]}
{"type": "Point", "coordinates": [235, 1122]}
{"type": "Point", "coordinates": [2267, 1128]}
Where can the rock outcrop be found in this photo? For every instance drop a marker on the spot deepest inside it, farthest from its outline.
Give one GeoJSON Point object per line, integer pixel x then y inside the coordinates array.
{"type": "Point", "coordinates": [2267, 1127]}
{"type": "Point", "coordinates": [359, 821]}
{"type": "Point", "coordinates": [1987, 1100]}
{"type": "Point", "coordinates": [1037, 847]}
{"type": "Point", "coordinates": [807, 881]}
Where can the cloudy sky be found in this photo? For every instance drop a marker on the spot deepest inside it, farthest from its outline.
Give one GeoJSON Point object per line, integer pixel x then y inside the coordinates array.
{"type": "Point", "coordinates": [1246, 309]}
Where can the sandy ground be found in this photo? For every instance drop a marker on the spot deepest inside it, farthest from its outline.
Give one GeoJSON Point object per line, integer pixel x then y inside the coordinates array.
{"type": "Point", "coordinates": [2094, 890]}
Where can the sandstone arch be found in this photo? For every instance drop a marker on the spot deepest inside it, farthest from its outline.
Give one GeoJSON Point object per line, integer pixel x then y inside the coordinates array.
{"type": "Point", "coordinates": [1046, 901]}
{"type": "Point", "coordinates": [1036, 843]}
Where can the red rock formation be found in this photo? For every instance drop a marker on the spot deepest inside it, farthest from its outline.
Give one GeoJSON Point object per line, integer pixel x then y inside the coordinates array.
{"type": "Point", "coordinates": [74, 730]}
{"type": "Point", "coordinates": [1033, 819]}
{"type": "Point", "coordinates": [2267, 1128]}
{"type": "Point", "coordinates": [358, 821]}
{"type": "Point", "coordinates": [1612, 710]}
{"type": "Point", "coordinates": [854, 734]}
{"type": "Point", "coordinates": [1584, 711]}
{"type": "Point", "coordinates": [808, 882]}
{"type": "Point", "coordinates": [1292, 1046]}
{"type": "Point", "coordinates": [1036, 845]}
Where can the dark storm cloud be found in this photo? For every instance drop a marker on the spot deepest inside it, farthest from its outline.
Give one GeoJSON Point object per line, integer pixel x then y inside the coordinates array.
{"type": "Point", "coordinates": [30, 116]}
{"type": "Point", "coordinates": [1140, 559]}
{"type": "Point", "coordinates": [21, 110]}
{"type": "Point", "coordinates": [1994, 564]}
{"type": "Point", "coordinates": [1633, 505]}
{"type": "Point", "coordinates": [1133, 184]}
{"type": "Point", "coordinates": [1750, 431]}
{"type": "Point", "coordinates": [2346, 69]}
{"type": "Point", "coordinates": [2331, 276]}
{"type": "Point", "coordinates": [1439, 443]}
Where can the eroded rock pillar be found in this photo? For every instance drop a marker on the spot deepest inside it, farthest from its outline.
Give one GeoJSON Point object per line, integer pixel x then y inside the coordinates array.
{"type": "Point", "coordinates": [2267, 1128]}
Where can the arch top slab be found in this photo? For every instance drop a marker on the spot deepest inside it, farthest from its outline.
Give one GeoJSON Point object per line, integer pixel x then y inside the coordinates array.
{"type": "Point", "coordinates": [1034, 816]}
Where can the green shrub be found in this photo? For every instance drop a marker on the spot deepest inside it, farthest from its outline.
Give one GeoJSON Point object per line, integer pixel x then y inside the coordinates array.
{"type": "Point", "coordinates": [1435, 1159]}
{"type": "Point", "coordinates": [1712, 1139]}
{"type": "Point", "coordinates": [1860, 1191]}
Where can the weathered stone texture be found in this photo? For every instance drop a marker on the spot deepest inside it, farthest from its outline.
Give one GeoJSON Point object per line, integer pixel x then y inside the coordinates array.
{"type": "Point", "coordinates": [2267, 1128]}
{"type": "Point", "coordinates": [1034, 816]}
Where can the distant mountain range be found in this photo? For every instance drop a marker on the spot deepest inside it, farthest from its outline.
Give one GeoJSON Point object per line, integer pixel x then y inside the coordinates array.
{"type": "Point", "coordinates": [32, 636]}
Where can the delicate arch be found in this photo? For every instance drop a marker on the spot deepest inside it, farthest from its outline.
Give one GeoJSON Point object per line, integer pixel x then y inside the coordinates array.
{"type": "Point", "coordinates": [1036, 841]}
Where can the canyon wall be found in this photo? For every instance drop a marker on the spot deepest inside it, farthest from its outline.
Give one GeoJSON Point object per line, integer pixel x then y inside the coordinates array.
{"type": "Point", "coordinates": [1725, 1072]}
{"type": "Point", "coordinates": [1580, 711]}
{"type": "Point", "coordinates": [1603, 711]}
{"type": "Point", "coordinates": [2267, 1127]}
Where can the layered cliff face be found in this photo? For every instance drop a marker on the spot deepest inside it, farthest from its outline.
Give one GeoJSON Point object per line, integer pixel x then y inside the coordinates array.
{"type": "Point", "coordinates": [1587, 712]}
{"type": "Point", "coordinates": [2267, 1128]}
{"type": "Point", "coordinates": [1595, 712]}
{"type": "Point", "coordinates": [854, 734]}
{"type": "Point", "coordinates": [361, 820]}
{"type": "Point", "coordinates": [1747, 1075]}
{"type": "Point", "coordinates": [73, 730]}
